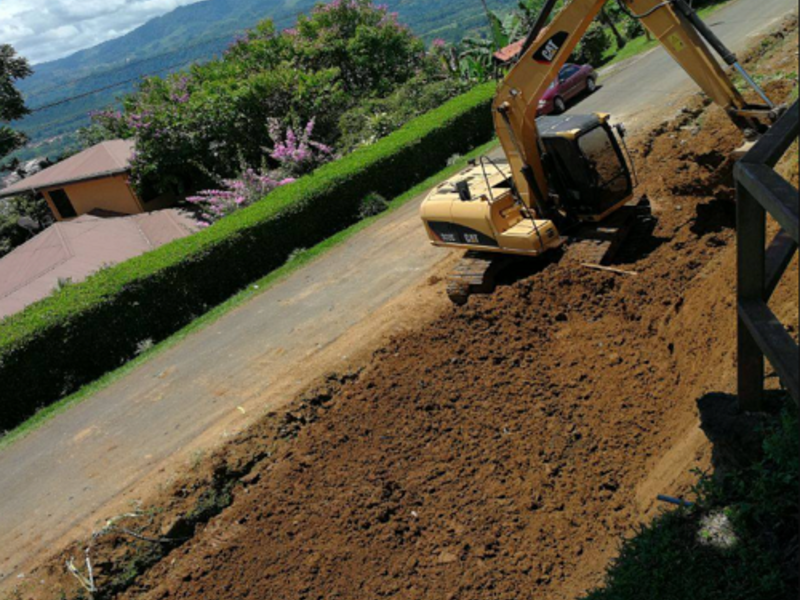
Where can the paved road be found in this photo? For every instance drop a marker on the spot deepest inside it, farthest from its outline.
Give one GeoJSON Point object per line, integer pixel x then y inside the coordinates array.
{"type": "Point", "coordinates": [95, 453]}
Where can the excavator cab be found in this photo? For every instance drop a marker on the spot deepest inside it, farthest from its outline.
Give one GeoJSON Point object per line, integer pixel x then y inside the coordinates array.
{"type": "Point", "coordinates": [587, 172]}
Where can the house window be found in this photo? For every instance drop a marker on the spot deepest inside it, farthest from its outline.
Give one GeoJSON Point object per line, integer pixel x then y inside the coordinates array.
{"type": "Point", "coordinates": [62, 203]}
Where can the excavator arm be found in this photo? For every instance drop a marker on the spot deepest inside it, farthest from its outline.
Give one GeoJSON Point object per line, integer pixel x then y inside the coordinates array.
{"type": "Point", "coordinates": [569, 182]}
{"type": "Point", "coordinates": [546, 50]}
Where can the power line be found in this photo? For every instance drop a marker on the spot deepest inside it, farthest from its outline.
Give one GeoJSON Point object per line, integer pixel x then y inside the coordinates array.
{"type": "Point", "coordinates": [104, 88]}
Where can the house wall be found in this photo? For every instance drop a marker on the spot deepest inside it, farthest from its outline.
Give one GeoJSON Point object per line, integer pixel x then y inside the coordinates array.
{"type": "Point", "coordinates": [109, 193]}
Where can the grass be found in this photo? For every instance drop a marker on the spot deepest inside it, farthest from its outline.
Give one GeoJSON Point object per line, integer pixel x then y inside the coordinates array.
{"type": "Point", "coordinates": [641, 44]}
{"type": "Point", "coordinates": [297, 260]}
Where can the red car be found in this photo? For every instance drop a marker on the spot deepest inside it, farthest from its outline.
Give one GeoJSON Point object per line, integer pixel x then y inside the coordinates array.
{"type": "Point", "coordinates": [572, 81]}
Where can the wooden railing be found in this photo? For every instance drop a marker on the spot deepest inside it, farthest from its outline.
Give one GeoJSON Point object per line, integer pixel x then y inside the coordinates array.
{"type": "Point", "coordinates": [760, 190]}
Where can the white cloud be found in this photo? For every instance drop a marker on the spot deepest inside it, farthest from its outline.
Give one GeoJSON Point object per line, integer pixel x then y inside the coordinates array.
{"type": "Point", "coordinates": [43, 30]}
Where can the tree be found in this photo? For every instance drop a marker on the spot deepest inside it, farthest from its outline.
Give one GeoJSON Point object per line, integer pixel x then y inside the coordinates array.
{"type": "Point", "coordinates": [634, 29]}
{"type": "Point", "coordinates": [12, 104]}
{"type": "Point", "coordinates": [12, 211]}
{"type": "Point", "coordinates": [205, 125]}
{"type": "Point", "coordinates": [608, 21]}
{"type": "Point", "coordinates": [593, 45]}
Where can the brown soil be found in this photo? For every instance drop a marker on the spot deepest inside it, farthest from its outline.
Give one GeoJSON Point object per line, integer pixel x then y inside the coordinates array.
{"type": "Point", "coordinates": [502, 452]}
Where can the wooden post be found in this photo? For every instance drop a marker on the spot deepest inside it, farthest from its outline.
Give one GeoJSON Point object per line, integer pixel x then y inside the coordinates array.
{"type": "Point", "coordinates": [750, 248]}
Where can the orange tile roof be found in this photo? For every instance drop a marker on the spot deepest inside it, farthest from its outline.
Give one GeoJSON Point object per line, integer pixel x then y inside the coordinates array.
{"type": "Point", "coordinates": [509, 52]}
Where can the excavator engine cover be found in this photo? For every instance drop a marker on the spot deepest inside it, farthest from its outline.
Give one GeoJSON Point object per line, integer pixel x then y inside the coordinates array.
{"type": "Point", "coordinates": [586, 170]}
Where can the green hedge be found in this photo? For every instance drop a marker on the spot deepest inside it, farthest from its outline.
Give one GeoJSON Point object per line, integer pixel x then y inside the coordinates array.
{"type": "Point", "coordinates": [57, 345]}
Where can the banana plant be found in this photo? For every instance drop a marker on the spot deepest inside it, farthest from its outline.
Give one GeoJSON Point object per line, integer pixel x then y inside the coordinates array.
{"type": "Point", "coordinates": [472, 58]}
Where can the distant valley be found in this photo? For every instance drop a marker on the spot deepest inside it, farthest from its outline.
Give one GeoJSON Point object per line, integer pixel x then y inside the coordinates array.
{"type": "Point", "coordinates": [174, 41]}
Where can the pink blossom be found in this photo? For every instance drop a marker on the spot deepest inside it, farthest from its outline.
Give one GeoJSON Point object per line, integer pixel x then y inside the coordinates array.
{"type": "Point", "coordinates": [249, 187]}
{"type": "Point", "coordinates": [297, 154]}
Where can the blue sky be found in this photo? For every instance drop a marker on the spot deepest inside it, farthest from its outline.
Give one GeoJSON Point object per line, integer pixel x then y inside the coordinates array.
{"type": "Point", "coordinates": [43, 30]}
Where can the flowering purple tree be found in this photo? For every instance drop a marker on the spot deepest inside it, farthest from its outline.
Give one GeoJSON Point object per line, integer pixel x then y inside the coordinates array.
{"type": "Point", "coordinates": [297, 154]}
{"type": "Point", "coordinates": [238, 193]}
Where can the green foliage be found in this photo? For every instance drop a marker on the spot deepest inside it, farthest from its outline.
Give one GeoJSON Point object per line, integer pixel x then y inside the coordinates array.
{"type": "Point", "coordinates": [503, 31]}
{"type": "Point", "coordinates": [94, 134]}
{"type": "Point", "coordinates": [473, 58]}
{"type": "Point", "coordinates": [12, 105]}
{"type": "Point", "coordinates": [373, 204]}
{"type": "Point", "coordinates": [54, 346]}
{"type": "Point", "coordinates": [196, 128]}
{"type": "Point", "coordinates": [194, 33]}
{"type": "Point", "coordinates": [633, 28]}
{"type": "Point", "coordinates": [11, 234]}
{"type": "Point", "coordinates": [593, 45]}
{"type": "Point", "coordinates": [12, 69]}
{"type": "Point", "coordinates": [376, 118]}
{"type": "Point", "coordinates": [667, 561]}
{"type": "Point", "coordinates": [12, 210]}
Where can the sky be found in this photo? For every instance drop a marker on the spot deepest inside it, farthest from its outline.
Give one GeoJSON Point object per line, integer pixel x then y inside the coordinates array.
{"type": "Point", "coordinates": [43, 30]}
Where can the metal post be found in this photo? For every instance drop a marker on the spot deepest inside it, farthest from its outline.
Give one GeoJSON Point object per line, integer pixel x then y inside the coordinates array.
{"type": "Point", "coordinates": [751, 82]}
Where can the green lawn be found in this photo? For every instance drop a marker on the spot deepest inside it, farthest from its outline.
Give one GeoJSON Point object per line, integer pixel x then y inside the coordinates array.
{"type": "Point", "coordinates": [737, 542]}
{"type": "Point", "coordinates": [641, 44]}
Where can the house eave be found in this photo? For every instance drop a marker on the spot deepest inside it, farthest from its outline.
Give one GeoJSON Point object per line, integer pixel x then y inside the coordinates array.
{"type": "Point", "coordinates": [6, 193]}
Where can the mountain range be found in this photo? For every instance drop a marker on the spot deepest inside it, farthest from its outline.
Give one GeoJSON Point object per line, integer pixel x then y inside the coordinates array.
{"type": "Point", "coordinates": [193, 33]}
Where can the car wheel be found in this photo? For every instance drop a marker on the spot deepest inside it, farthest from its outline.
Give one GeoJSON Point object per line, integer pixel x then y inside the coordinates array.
{"type": "Point", "coordinates": [591, 85]}
{"type": "Point", "coordinates": [559, 106]}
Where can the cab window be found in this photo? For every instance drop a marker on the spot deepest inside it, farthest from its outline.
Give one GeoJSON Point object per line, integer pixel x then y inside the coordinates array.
{"type": "Point", "coordinates": [605, 162]}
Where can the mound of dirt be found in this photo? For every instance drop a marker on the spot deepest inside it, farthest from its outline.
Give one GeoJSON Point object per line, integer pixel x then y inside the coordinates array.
{"type": "Point", "coordinates": [502, 452]}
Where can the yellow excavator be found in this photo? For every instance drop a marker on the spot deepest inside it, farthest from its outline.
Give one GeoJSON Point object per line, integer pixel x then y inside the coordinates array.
{"type": "Point", "coordinates": [565, 178]}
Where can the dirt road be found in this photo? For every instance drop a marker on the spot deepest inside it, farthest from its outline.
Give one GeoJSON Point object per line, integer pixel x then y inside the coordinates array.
{"type": "Point", "coordinates": [93, 459]}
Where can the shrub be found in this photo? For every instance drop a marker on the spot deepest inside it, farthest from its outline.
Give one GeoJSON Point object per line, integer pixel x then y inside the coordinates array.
{"type": "Point", "coordinates": [297, 154]}
{"type": "Point", "coordinates": [54, 346]}
{"type": "Point", "coordinates": [373, 204]}
{"type": "Point", "coordinates": [593, 45]}
{"type": "Point", "coordinates": [633, 28]}
{"type": "Point", "coordinates": [239, 193]}
{"type": "Point", "coordinates": [377, 118]}
{"type": "Point", "coordinates": [14, 212]}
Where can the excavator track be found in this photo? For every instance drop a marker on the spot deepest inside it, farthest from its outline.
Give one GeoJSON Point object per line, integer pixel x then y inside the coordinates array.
{"type": "Point", "coordinates": [474, 274]}
{"type": "Point", "coordinates": [590, 243]}
{"type": "Point", "coordinates": [598, 243]}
